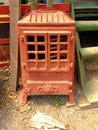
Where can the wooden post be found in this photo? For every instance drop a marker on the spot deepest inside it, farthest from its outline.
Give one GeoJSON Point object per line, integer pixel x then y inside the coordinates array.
{"type": "Point", "coordinates": [49, 3]}
{"type": "Point", "coordinates": [34, 4]}
{"type": "Point", "coordinates": [14, 17]}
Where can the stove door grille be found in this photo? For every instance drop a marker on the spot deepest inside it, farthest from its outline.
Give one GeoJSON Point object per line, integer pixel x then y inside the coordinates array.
{"type": "Point", "coordinates": [36, 50]}
{"type": "Point", "coordinates": [59, 50]}
{"type": "Point", "coordinates": [47, 51]}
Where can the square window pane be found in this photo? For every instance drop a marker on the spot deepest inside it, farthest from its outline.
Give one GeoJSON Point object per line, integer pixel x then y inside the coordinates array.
{"type": "Point", "coordinates": [30, 39]}
{"type": "Point", "coordinates": [63, 47]}
{"type": "Point", "coordinates": [41, 56]}
{"type": "Point", "coordinates": [41, 48]}
{"type": "Point", "coordinates": [40, 38]}
{"type": "Point", "coordinates": [63, 56]}
{"type": "Point", "coordinates": [53, 47]}
{"type": "Point", "coordinates": [63, 38]}
{"type": "Point", "coordinates": [53, 56]}
{"type": "Point", "coordinates": [31, 47]}
{"type": "Point", "coordinates": [53, 38]}
{"type": "Point", "coordinates": [31, 56]}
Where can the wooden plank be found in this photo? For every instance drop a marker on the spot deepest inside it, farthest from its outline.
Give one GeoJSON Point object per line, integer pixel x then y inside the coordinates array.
{"type": "Point", "coordinates": [49, 3]}
{"type": "Point", "coordinates": [14, 17]}
{"type": "Point", "coordinates": [4, 9]}
{"type": "Point", "coordinates": [4, 41]}
{"type": "Point", "coordinates": [81, 72]}
{"type": "Point", "coordinates": [91, 91]}
{"type": "Point", "coordinates": [89, 52]}
{"type": "Point", "coordinates": [34, 4]}
{"type": "Point", "coordinates": [87, 25]}
{"type": "Point", "coordinates": [85, 6]}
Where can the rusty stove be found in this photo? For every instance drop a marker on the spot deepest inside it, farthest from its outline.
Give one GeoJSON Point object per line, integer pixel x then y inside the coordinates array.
{"type": "Point", "coordinates": [47, 45]}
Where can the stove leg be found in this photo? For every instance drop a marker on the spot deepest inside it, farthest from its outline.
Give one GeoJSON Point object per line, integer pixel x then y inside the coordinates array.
{"type": "Point", "coordinates": [71, 99]}
{"type": "Point", "coordinates": [23, 98]}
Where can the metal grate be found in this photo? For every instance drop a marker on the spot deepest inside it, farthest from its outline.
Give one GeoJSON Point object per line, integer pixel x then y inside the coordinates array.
{"type": "Point", "coordinates": [49, 55]}
{"type": "Point", "coordinates": [58, 50]}
{"type": "Point", "coordinates": [36, 46]}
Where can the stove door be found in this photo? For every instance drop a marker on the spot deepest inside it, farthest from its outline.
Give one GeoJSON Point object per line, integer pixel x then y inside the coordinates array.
{"type": "Point", "coordinates": [36, 50]}
{"type": "Point", "coordinates": [47, 51]}
{"type": "Point", "coordinates": [59, 50]}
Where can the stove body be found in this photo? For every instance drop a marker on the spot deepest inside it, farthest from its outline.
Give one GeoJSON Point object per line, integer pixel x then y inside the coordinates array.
{"type": "Point", "coordinates": [47, 45]}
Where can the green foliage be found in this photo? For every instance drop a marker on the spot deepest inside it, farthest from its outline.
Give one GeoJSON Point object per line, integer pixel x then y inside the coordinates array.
{"type": "Point", "coordinates": [58, 100]}
{"type": "Point", "coordinates": [24, 1]}
{"type": "Point", "coordinates": [40, 1]}
{"type": "Point", "coordinates": [67, 0]}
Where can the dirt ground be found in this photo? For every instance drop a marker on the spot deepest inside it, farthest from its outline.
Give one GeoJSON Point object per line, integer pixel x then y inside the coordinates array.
{"type": "Point", "coordinates": [16, 117]}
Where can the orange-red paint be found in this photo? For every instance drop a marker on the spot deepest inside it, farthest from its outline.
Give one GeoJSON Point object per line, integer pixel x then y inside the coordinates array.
{"type": "Point", "coordinates": [47, 45]}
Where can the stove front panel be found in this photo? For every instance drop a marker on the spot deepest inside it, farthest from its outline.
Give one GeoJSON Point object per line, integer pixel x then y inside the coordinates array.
{"type": "Point", "coordinates": [47, 51]}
